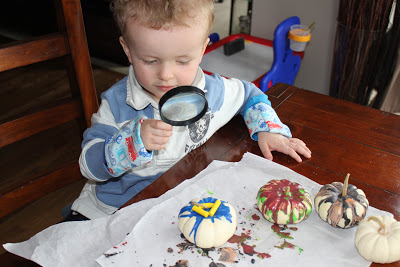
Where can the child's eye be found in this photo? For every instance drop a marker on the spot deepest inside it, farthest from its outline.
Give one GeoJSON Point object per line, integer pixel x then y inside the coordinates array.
{"type": "Point", "coordinates": [149, 62]}
{"type": "Point", "coordinates": [183, 62]}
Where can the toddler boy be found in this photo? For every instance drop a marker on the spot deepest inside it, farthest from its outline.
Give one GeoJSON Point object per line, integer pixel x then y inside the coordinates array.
{"type": "Point", "coordinates": [128, 146]}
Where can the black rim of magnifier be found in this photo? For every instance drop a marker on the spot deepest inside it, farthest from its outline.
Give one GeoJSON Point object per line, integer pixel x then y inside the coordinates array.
{"type": "Point", "coordinates": [179, 90]}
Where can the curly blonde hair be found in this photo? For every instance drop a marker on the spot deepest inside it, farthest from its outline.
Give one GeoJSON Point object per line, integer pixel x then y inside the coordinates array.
{"type": "Point", "coordinates": [159, 14]}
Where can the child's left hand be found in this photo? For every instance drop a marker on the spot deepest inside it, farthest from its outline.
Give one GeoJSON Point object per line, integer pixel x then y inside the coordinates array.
{"type": "Point", "coordinates": [269, 142]}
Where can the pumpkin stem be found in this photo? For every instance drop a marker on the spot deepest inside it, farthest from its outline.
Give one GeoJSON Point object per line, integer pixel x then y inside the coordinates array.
{"type": "Point", "coordinates": [287, 190]}
{"type": "Point", "coordinates": [381, 229]}
{"type": "Point", "coordinates": [345, 185]}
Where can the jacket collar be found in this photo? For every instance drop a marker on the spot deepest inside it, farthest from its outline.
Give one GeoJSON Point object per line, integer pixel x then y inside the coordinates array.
{"type": "Point", "coordinates": [139, 99]}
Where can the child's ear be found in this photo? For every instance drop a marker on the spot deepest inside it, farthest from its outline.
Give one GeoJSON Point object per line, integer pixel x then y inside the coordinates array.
{"type": "Point", "coordinates": [205, 46]}
{"type": "Point", "coordinates": [126, 48]}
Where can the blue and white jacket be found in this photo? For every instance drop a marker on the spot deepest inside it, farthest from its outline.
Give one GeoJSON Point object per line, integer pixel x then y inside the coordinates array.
{"type": "Point", "coordinates": [104, 193]}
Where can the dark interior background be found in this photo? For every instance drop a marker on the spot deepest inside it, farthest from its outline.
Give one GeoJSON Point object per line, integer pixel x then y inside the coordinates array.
{"type": "Point", "coordinates": [33, 18]}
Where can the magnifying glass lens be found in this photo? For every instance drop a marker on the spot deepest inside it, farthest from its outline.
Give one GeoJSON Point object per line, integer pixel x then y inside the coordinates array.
{"type": "Point", "coordinates": [183, 105]}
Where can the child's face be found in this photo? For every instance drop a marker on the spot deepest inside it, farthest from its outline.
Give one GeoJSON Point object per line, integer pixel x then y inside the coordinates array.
{"type": "Point", "coordinates": [164, 59]}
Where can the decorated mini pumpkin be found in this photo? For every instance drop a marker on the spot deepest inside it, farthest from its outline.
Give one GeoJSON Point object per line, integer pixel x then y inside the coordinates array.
{"type": "Point", "coordinates": [378, 239]}
{"type": "Point", "coordinates": [341, 205]}
{"type": "Point", "coordinates": [283, 202]}
{"type": "Point", "coordinates": [207, 222]}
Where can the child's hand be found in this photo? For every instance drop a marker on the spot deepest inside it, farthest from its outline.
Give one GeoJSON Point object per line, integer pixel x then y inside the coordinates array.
{"type": "Point", "coordinates": [155, 134]}
{"type": "Point", "coordinates": [269, 142]}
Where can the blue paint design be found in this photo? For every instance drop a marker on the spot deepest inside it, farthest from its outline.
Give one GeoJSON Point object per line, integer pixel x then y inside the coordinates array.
{"type": "Point", "coordinates": [222, 211]}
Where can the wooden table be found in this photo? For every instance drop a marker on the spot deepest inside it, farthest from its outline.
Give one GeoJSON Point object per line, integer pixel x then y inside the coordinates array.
{"type": "Point", "coordinates": [344, 138]}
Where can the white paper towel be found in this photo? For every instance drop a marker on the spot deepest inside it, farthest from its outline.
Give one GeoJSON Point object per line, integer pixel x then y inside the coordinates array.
{"type": "Point", "coordinates": [154, 238]}
{"type": "Point", "coordinates": [81, 243]}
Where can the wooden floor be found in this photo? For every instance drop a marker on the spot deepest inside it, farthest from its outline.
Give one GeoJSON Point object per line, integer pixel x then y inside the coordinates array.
{"type": "Point", "coordinates": [21, 90]}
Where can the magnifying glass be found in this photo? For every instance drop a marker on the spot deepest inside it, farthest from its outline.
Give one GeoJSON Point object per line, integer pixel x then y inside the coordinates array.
{"type": "Point", "coordinates": [183, 105]}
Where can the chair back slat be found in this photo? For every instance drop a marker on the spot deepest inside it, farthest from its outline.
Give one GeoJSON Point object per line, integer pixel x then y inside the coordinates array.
{"type": "Point", "coordinates": [22, 53]}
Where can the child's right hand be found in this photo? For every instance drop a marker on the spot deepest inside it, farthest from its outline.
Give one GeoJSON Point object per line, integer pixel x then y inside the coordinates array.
{"type": "Point", "coordinates": [155, 134]}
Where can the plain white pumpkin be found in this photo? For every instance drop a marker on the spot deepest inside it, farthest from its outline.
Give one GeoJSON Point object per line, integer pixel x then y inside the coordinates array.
{"type": "Point", "coordinates": [213, 231]}
{"type": "Point", "coordinates": [378, 239]}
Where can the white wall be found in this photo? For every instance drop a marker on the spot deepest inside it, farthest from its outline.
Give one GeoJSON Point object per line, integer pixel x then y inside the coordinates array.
{"type": "Point", "coordinates": [222, 18]}
{"type": "Point", "coordinates": [315, 69]}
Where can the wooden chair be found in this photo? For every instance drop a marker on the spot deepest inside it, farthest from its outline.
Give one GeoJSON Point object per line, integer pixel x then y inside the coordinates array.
{"type": "Point", "coordinates": [70, 42]}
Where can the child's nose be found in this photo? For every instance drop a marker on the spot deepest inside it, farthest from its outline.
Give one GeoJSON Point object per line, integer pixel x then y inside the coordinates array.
{"type": "Point", "coordinates": [165, 72]}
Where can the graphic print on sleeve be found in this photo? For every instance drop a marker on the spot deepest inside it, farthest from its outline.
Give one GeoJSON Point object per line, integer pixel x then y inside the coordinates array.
{"type": "Point", "coordinates": [262, 117]}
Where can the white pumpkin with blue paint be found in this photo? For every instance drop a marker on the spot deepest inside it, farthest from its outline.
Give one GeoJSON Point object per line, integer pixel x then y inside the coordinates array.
{"type": "Point", "coordinates": [207, 222]}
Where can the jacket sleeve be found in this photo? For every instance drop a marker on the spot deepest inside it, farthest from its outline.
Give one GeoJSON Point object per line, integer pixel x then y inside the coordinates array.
{"type": "Point", "coordinates": [258, 114]}
{"type": "Point", "coordinates": [106, 124]}
{"type": "Point", "coordinates": [124, 149]}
